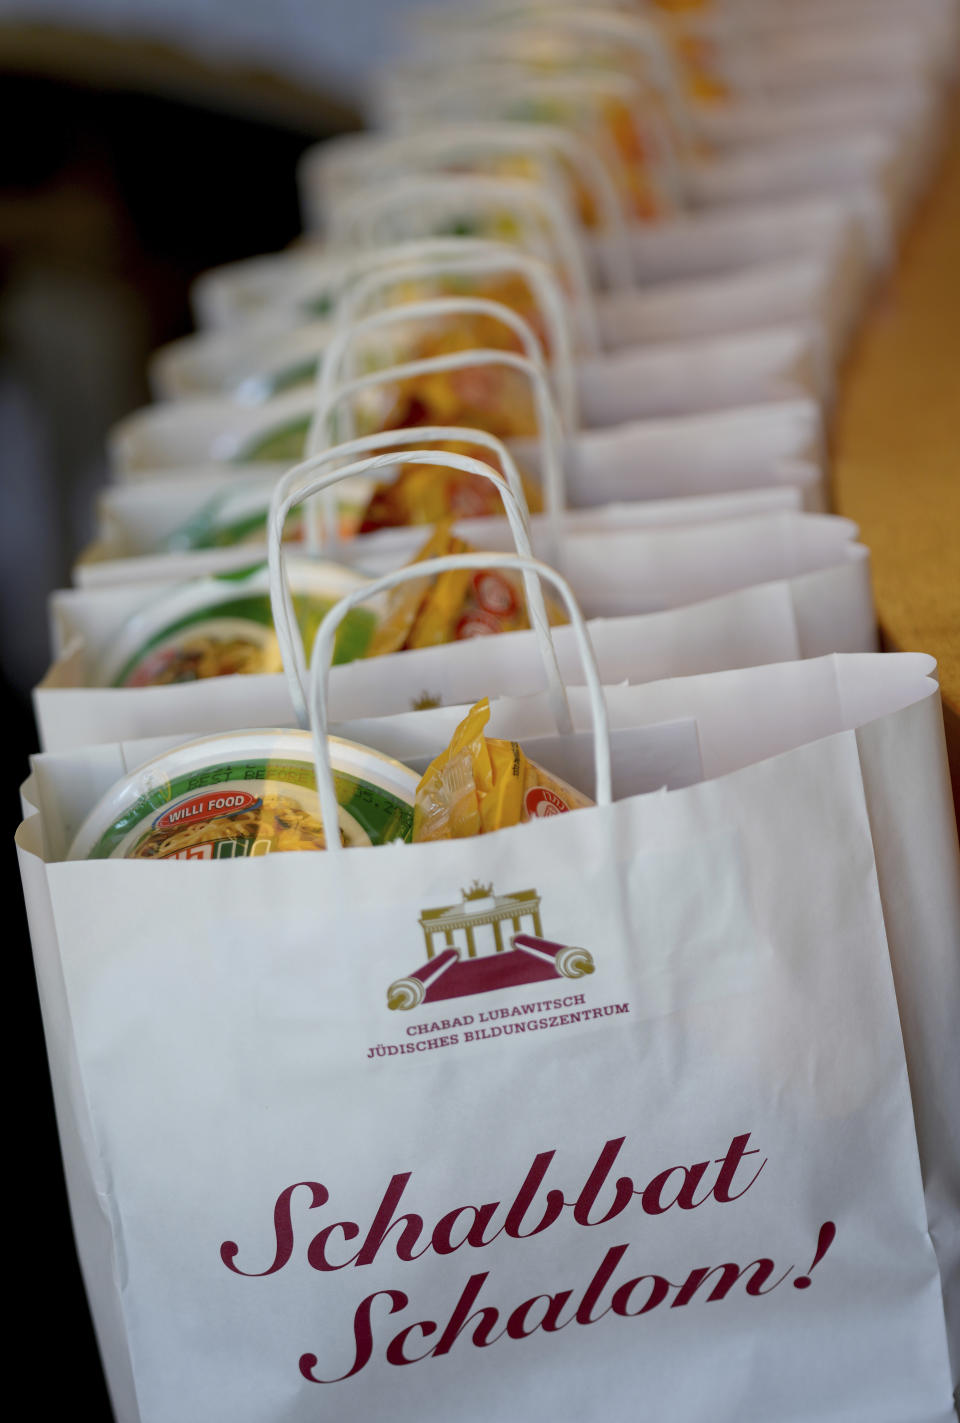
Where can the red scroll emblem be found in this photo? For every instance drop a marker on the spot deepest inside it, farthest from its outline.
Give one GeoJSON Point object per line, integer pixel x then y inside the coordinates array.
{"type": "Point", "coordinates": [486, 942]}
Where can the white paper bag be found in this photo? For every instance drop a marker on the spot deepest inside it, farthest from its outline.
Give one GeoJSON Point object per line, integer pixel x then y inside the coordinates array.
{"type": "Point", "coordinates": [823, 109]}
{"type": "Point", "coordinates": [582, 468]}
{"type": "Point", "coordinates": [235, 293]}
{"type": "Point", "coordinates": [614, 569]}
{"type": "Point", "coordinates": [708, 241]}
{"type": "Point", "coordinates": [825, 290]}
{"type": "Point", "coordinates": [215, 362]}
{"type": "Point", "coordinates": [752, 367]}
{"type": "Point", "coordinates": [794, 167]}
{"type": "Point", "coordinates": [667, 378]}
{"type": "Point", "coordinates": [135, 521]}
{"type": "Point", "coordinates": [817, 597]}
{"type": "Point", "coordinates": [695, 455]}
{"type": "Point", "coordinates": [718, 1112]}
{"type": "Point", "coordinates": [769, 622]}
{"type": "Point", "coordinates": [759, 447]}
{"type": "Point", "coordinates": [865, 47]}
{"type": "Point", "coordinates": [244, 298]}
{"type": "Point", "coordinates": [686, 376]}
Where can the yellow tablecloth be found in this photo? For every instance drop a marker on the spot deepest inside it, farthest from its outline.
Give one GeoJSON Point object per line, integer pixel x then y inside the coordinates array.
{"type": "Point", "coordinates": [897, 442]}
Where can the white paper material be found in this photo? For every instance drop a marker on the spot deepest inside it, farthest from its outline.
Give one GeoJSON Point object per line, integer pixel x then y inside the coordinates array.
{"type": "Point", "coordinates": [91, 1216]}
{"type": "Point", "coordinates": [796, 166]}
{"type": "Point", "coordinates": [822, 109]}
{"type": "Point", "coordinates": [817, 612]}
{"type": "Point", "coordinates": [695, 455]}
{"type": "Point", "coordinates": [714, 453]}
{"type": "Point", "coordinates": [869, 47]}
{"type": "Point", "coordinates": [824, 289]}
{"type": "Point", "coordinates": [135, 520]}
{"type": "Point", "coordinates": [668, 378]}
{"type": "Point", "coordinates": [237, 292]}
{"type": "Point", "coordinates": [644, 759]}
{"type": "Point", "coordinates": [741, 972]}
{"type": "Point", "coordinates": [744, 716]}
{"type": "Point", "coordinates": [685, 376]}
{"type": "Point", "coordinates": [215, 362]}
{"type": "Point", "coordinates": [709, 241]}
{"type": "Point", "coordinates": [256, 299]}
{"type": "Point", "coordinates": [193, 432]}
{"type": "Point", "coordinates": [810, 594]}
{"type": "Point", "coordinates": [65, 785]}
{"type": "Point", "coordinates": [934, 22]}
{"type": "Point", "coordinates": [612, 568]}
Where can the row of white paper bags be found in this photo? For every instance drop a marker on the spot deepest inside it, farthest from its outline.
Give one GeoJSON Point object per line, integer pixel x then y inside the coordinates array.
{"type": "Point", "coordinates": [804, 266]}
{"type": "Point", "coordinates": [686, 455]}
{"type": "Point", "coordinates": [697, 977]}
{"type": "Point", "coordinates": [745, 448]}
{"type": "Point", "coordinates": [767, 896]}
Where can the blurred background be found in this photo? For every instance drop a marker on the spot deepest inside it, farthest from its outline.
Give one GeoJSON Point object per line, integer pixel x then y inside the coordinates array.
{"type": "Point", "coordinates": [144, 141]}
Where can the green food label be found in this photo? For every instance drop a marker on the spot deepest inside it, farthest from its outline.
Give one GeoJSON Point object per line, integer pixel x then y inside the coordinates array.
{"type": "Point", "coordinates": [209, 528]}
{"type": "Point", "coordinates": [320, 305]}
{"type": "Point", "coordinates": [287, 378]}
{"type": "Point", "coordinates": [201, 649]}
{"type": "Point", "coordinates": [227, 810]}
{"type": "Point", "coordinates": [280, 444]}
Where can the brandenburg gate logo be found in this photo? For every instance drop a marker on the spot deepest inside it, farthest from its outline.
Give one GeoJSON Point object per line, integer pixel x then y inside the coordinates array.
{"type": "Point", "coordinates": [486, 942]}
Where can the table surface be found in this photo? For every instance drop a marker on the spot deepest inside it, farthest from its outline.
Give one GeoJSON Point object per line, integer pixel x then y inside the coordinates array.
{"type": "Point", "coordinates": [896, 459]}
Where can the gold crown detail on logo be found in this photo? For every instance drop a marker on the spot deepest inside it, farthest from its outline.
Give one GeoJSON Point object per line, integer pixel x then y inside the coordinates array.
{"type": "Point", "coordinates": [477, 891]}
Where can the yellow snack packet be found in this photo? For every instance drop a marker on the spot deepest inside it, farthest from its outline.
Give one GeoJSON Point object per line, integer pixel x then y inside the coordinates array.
{"type": "Point", "coordinates": [425, 494]}
{"type": "Point", "coordinates": [481, 783]}
{"type": "Point", "coordinates": [465, 603]}
{"type": "Point", "coordinates": [406, 601]}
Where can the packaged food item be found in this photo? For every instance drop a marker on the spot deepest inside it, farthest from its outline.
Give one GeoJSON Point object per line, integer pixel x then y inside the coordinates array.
{"type": "Point", "coordinates": [462, 331]}
{"type": "Point", "coordinates": [634, 144]}
{"type": "Point", "coordinates": [480, 784]}
{"type": "Point", "coordinates": [222, 624]}
{"type": "Point", "coordinates": [239, 516]}
{"type": "Point", "coordinates": [456, 605]}
{"type": "Point", "coordinates": [692, 38]}
{"type": "Point", "coordinates": [246, 793]}
{"type": "Point", "coordinates": [495, 398]}
{"type": "Point", "coordinates": [428, 494]}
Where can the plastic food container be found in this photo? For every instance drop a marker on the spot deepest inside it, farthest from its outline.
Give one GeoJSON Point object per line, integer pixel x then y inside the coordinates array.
{"type": "Point", "coordinates": [222, 624]}
{"type": "Point", "coordinates": [247, 793]}
{"type": "Point", "coordinates": [282, 443]}
{"type": "Point", "coordinates": [239, 516]}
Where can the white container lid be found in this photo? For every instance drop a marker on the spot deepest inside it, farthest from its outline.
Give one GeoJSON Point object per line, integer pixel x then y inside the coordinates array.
{"type": "Point", "coordinates": [230, 775]}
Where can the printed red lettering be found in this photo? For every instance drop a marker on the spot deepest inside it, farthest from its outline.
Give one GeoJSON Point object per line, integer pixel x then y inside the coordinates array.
{"type": "Point", "coordinates": [517, 1323]}
{"type": "Point", "coordinates": [728, 1169]}
{"type": "Point", "coordinates": [383, 1223]}
{"type": "Point", "coordinates": [317, 1249]}
{"type": "Point", "coordinates": [480, 1218]}
{"type": "Point", "coordinates": [623, 1193]}
{"type": "Point", "coordinates": [282, 1229]}
{"type": "Point", "coordinates": [652, 1197]}
{"type": "Point", "coordinates": [363, 1337]}
{"type": "Point", "coordinates": [658, 1292]}
{"type": "Point", "coordinates": [395, 1354]}
{"type": "Point", "coordinates": [525, 1197]}
{"type": "Point", "coordinates": [729, 1275]}
{"type": "Point", "coordinates": [597, 1285]}
{"type": "Point", "coordinates": [461, 1318]}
